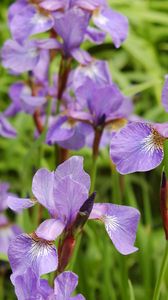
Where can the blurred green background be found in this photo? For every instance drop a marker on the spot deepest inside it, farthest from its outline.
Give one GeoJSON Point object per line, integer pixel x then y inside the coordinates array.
{"type": "Point", "coordinates": [138, 67]}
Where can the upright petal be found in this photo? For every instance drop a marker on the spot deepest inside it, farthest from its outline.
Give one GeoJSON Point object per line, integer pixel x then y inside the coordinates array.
{"type": "Point", "coordinates": [71, 26]}
{"type": "Point", "coordinates": [114, 23]}
{"type": "Point", "coordinates": [73, 167]}
{"type": "Point", "coordinates": [120, 223]}
{"type": "Point", "coordinates": [69, 196]}
{"type": "Point", "coordinates": [42, 188]}
{"type": "Point", "coordinates": [137, 147]}
{"type": "Point", "coordinates": [29, 251]}
{"type": "Point", "coordinates": [50, 229]}
{"type": "Point", "coordinates": [64, 285]}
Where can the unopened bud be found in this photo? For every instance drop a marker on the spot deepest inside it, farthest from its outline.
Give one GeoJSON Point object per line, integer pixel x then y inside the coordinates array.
{"type": "Point", "coordinates": [84, 213]}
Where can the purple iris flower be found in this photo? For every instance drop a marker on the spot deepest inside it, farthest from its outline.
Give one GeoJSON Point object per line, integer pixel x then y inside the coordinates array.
{"type": "Point", "coordinates": [7, 231]}
{"type": "Point", "coordinates": [26, 19]}
{"type": "Point", "coordinates": [106, 19]}
{"type": "Point", "coordinates": [91, 85]}
{"type": "Point", "coordinates": [138, 147]}
{"type": "Point", "coordinates": [25, 57]}
{"type": "Point", "coordinates": [6, 129]}
{"type": "Point", "coordinates": [71, 27]}
{"type": "Point", "coordinates": [63, 193]}
{"type": "Point", "coordinates": [29, 286]}
{"type": "Point", "coordinates": [22, 99]}
{"type": "Point", "coordinates": [90, 97]}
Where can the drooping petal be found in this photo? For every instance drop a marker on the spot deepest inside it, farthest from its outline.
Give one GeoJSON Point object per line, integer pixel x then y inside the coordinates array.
{"type": "Point", "coordinates": [42, 188]}
{"type": "Point", "coordinates": [19, 58]}
{"type": "Point", "coordinates": [6, 129]}
{"type": "Point", "coordinates": [94, 35]}
{"type": "Point", "coordinates": [73, 167]}
{"type": "Point", "coordinates": [61, 130]}
{"type": "Point", "coordinates": [137, 147]}
{"type": "Point", "coordinates": [114, 23]}
{"type": "Point", "coordinates": [18, 204]}
{"type": "Point", "coordinates": [67, 134]}
{"type": "Point", "coordinates": [30, 251]}
{"type": "Point", "coordinates": [69, 196]}
{"type": "Point", "coordinates": [120, 223]}
{"type": "Point", "coordinates": [64, 285]}
{"type": "Point", "coordinates": [50, 229]}
{"type": "Point", "coordinates": [7, 233]}
{"type": "Point", "coordinates": [165, 94]}
{"type": "Point", "coordinates": [31, 22]}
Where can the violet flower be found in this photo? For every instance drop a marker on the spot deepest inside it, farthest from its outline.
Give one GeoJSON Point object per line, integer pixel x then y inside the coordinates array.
{"type": "Point", "coordinates": [29, 286]}
{"type": "Point", "coordinates": [26, 19]}
{"type": "Point", "coordinates": [7, 230]}
{"type": "Point", "coordinates": [138, 147]}
{"type": "Point", "coordinates": [26, 57]}
{"type": "Point", "coordinates": [90, 96]}
{"type": "Point", "coordinates": [91, 84]}
{"type": "Point", "coordinates": [22, 99]}
{"type": "Point", "coordinates": [106, 19]}
{"type": "Point", "coordinates": [63, 193]}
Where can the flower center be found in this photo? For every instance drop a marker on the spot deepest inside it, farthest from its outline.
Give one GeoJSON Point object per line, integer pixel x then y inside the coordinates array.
{"type": "Point", "coordinates": [154, 141]}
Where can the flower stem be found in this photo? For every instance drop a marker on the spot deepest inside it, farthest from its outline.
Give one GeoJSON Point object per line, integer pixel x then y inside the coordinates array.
{"type": "Point", "coordinates": [95, 152]}
{"type": "Point", "coordinates": [161, 274]}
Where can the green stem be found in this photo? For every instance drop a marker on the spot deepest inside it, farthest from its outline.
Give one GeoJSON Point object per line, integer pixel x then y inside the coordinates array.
{"type": "Point", "coordinates": [1, 286]}
{"type": "Point", "coordinates": [95, 151]}
{"type": "Point", "coordinates": [161, 274]}
{"type": "Point", "coordinates": [93, 174]}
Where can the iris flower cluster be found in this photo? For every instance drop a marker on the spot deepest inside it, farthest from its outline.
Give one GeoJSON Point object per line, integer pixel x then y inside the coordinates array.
{"type": "Point", "coordinates": [87, 107]}
{"type": "Point", "coordinates": [65, 194]}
